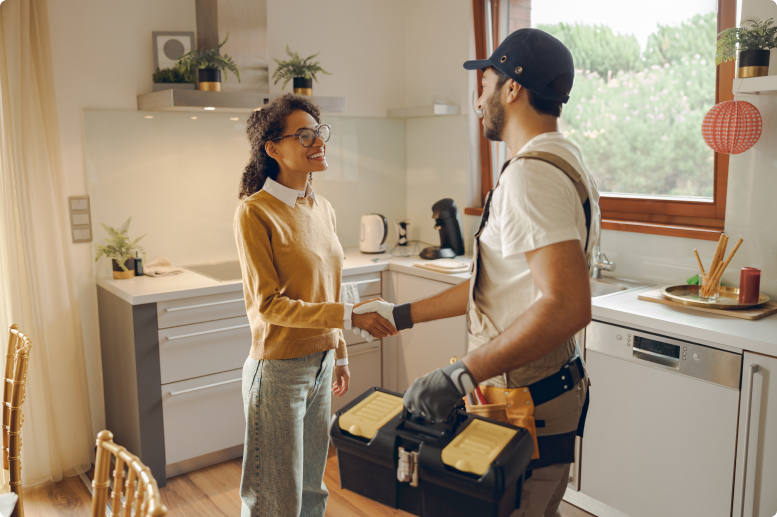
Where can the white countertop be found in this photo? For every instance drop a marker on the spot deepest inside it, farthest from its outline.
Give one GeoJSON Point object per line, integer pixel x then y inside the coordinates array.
{"type": "Point", "coordinates": [724, 332]}
{"type": "Point", "coordinates": [189, 284]}
{"type": "Point", "coordinates": [625, 309]}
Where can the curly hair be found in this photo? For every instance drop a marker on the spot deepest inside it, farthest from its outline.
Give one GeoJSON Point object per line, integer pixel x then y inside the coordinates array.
{"type": "Point", "coordinates": [263, 125]}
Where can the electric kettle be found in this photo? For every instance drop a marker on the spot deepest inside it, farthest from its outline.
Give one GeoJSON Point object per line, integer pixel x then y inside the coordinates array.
{"type": "Point", "coordinates": [374, 230]}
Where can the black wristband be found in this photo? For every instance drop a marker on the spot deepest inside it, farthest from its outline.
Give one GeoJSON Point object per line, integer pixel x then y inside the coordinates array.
{"type": "Point", "coordinates": [402, 316]}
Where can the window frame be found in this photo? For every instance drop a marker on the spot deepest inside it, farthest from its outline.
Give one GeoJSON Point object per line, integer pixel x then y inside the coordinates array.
{"type": "Point", "coordinates": [687, 218]}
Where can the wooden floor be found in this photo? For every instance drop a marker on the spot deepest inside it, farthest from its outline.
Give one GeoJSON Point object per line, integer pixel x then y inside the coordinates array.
{"type": "Point", "coordinates": [210, 492]}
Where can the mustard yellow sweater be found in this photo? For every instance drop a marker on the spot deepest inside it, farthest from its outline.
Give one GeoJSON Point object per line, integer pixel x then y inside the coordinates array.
{"type": "Point", "coordinates": [292, 265]}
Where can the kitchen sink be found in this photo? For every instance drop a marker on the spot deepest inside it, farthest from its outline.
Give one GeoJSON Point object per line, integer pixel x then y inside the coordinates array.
{"type": "Point", "coordinates": [219, 271]}
{"type": "Point", "coordinates": [610, 285]}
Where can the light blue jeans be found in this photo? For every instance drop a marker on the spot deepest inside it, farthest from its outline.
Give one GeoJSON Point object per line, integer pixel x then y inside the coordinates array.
{"type": "Point", "coordinates": [287, 405]}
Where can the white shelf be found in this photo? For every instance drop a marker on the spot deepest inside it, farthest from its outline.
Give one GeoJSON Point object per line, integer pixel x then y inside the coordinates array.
{"type": "Point", "coordinates": [431, 110]}
{"type": "Point", "coordinates": [231, 102]}
{"type": "Point", "coordinates": [766, 85]}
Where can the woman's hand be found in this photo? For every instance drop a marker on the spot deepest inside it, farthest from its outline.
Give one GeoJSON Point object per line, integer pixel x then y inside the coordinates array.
{"type": "Point", "coordinates": [373, 323]}
{"type": "Point", "coordinates": [342, 378]}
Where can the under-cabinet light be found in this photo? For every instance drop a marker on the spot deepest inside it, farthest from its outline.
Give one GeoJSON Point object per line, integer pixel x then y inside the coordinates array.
{"type": "Point", "coordinates": [209, 108]}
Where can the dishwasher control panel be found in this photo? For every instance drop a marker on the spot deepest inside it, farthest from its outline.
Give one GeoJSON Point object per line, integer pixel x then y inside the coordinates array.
{"type": "Point", "coordinates": [684, 357]}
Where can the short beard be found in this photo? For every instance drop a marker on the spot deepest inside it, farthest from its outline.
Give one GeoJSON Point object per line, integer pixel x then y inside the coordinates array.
{"type": "Point", "coordinates": [495, 115]}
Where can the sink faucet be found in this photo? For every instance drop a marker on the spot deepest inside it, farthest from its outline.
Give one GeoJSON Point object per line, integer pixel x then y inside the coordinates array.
{"type": "Point", "coordinates": [600, 263]}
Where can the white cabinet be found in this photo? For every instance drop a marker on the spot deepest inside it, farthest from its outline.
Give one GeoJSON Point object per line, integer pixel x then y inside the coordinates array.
{"type": "Point", "coordinates": [756, 466]}
{"type": "Point", "coordinates": [202, 416]}
{"type": "Point", "coordinates": [429, 345]}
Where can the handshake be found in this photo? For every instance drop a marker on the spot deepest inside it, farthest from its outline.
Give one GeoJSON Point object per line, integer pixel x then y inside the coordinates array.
{"type": "Point", "coordinates": [374, 319]}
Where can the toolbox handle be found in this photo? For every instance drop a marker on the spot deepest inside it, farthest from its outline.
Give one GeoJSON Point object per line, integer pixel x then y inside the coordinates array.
{"type": "Point", "coordinates": [419, 424]}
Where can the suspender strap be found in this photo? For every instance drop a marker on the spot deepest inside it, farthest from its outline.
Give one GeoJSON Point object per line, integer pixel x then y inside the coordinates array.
{"type": "Point", "coordinates": [562, 165]}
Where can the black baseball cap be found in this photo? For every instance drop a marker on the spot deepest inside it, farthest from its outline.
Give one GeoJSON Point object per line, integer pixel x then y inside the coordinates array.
{"type": "Point", "coordinates": [532, 58]}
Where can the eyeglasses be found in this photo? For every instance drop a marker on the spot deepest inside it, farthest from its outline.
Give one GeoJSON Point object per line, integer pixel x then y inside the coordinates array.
{"type": "Point", "coordinates": [307, 136]}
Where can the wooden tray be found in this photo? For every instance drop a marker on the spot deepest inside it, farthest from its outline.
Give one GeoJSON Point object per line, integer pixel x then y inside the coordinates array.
{"type": "Point", "coordinates": [756, 313]}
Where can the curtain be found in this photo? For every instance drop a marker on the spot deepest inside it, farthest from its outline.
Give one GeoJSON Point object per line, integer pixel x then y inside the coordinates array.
{"type": "Point", "coordinates": [37, 290]}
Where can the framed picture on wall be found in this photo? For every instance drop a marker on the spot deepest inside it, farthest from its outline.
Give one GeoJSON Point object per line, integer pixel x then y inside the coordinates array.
{"type": "Point", "coordinates": [169, 46]}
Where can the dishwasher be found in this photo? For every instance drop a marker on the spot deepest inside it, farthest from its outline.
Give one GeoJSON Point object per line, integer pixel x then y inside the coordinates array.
{"type": "Point", "coordinates": [660, 439]}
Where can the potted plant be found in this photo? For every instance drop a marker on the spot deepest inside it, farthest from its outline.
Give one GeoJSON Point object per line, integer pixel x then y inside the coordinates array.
{"type": "Point", "coordinates": [209, 64]}
{"type": "Point", "coordinates": [121, 250]}
{"type": "Point", "coordinates": [173, 79]}
{"type": "Point", "coordinates": [754, 44]}
{"type": "Point", "coordinates": [302, 71]}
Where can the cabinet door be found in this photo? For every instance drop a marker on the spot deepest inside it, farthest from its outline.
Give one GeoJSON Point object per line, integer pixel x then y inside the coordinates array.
{"type": "Point", "coordinates": [756, 468]}
{"type": "Point", "coordinates": [364, 365]}
{"type": "Point", "coordinates": [429, 345]}
{"type": "Point", "coordinates": [203, 415]}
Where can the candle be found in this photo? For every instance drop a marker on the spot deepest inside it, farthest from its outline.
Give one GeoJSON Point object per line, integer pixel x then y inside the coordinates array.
{"type": "Point", "coordinates": [749, 285]}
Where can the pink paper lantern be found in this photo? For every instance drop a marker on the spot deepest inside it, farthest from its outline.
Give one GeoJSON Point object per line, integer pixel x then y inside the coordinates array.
{"type": "Point", "coordinates": [732, 127]}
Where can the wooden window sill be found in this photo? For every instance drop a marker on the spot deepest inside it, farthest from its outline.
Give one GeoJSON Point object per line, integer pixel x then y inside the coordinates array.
{"type": "Point", "coordinates": [670, 230]}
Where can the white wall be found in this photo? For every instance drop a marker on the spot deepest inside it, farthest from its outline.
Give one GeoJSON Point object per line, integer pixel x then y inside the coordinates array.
{"type": "Point", "coordinates": [177, 176]}
{"type": "Point", "coordinates": [437, 42]}
{"type": "Point", "coordinates": [360, 44]}
{"type": "Point", "coordinates": [102, 55]}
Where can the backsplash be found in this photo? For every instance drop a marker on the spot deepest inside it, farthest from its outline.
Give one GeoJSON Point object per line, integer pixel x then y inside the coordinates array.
{"type": "Point", "coordinates": [177, 174]}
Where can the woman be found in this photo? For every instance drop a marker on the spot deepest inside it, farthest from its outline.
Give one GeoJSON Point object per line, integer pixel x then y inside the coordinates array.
{"type": "Point", "coordinates": [292, 263]}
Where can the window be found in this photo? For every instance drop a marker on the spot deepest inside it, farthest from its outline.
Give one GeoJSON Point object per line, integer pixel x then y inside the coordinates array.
{"type": "Point", "coordinates": [643, 84]}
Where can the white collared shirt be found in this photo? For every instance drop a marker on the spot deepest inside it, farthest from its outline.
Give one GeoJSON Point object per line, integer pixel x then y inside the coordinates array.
{"type": "Point", "coordinates": [289, 196]}
{"type": "Point", "coordinates": [286, 194]}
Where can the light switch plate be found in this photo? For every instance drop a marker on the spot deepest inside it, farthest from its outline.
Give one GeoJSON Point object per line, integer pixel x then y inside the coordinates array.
{"type": "Point", "coordinates": [80, 218]}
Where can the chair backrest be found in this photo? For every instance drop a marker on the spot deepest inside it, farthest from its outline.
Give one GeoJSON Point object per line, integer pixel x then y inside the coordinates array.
{"type": "Point", "coordinates": [135, 492]}
{"type": "Point", "coordinates": [14, 389]}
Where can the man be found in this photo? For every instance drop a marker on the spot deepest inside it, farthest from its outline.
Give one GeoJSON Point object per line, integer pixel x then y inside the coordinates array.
{"type": "Point", "coordinates": [529, 292]}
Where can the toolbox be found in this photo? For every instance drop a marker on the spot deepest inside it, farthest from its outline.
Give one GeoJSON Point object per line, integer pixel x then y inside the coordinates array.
{"type": "Point", "coordinates": [467, 466]}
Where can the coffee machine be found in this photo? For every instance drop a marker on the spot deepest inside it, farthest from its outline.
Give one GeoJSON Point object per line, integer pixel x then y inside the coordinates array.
{"type": "Point", "coordinates": [445, 214]}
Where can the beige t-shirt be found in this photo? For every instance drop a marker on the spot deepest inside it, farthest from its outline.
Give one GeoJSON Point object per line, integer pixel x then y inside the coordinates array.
{"type": "Point", "coordinates": [535, 205]}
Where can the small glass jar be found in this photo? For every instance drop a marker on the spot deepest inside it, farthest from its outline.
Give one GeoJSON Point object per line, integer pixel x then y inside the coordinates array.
{"type": "Point", "coordinates": [712, 294]}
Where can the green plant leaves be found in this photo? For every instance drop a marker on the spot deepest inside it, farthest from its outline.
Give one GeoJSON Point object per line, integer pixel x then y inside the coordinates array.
{"type": "Point", "coordinates": [173, 75]}
{"type": "Point", "coordinates": [118, 245]}
{"type": "Point", "coordinates": [760, 36]}
{"type": "Point", "coordinates": [208, 58]}
{"type": "Point", "coordinates": [297, 67]}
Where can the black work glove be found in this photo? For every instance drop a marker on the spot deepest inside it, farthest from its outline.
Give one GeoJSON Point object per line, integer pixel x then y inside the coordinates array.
{"type": "Point", "coordinates": [436, 395]}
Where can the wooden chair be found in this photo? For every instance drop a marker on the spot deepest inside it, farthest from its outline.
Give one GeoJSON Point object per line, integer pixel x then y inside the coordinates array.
{"type": "Point", "coordinates": [14, 389]}
{"type": "Point", "coordinates": [136, 486]}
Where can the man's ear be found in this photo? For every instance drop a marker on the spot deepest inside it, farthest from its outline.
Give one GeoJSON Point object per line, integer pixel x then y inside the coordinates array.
{"type": "Point", "coordinates": [271, 150]}
{"type": "Point", "coordinates": [513, 91]}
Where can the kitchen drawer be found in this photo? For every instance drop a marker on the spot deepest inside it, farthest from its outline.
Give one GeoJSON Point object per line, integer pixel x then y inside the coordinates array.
{"type": "Point", "coordinates": [187, 311]}
{"type": "Point", "coordinates": [203, 349]}
{"type": "Point", "coordinates": [364, 363]}
{"type": "Point", "coordinates": [203, 415]}
{"type": "Point", "coordinates": [369, 285]}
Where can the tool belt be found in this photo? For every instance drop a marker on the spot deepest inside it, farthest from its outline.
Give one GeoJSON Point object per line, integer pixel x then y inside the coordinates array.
{"type": "Point", "coordinates": [515, 406]}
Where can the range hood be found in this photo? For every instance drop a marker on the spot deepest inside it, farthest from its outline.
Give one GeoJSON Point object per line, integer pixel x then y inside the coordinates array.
{"type": "Point", "coordinates": [230, 102]}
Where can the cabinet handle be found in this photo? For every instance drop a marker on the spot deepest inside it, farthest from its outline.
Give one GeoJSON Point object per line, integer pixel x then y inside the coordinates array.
{"type": "Point", "coordinates": [172, 338]}
{"type": "Point", "coordinates": [752, 370]}
{"type": "Point", "coordinates": [174, 393]}
{"type": "Point", "coordinates": [361, 282]}
{"type": "Point", "coordinates": [364, 351]}
{"type": "Point", "coordinates": [186, 308]}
